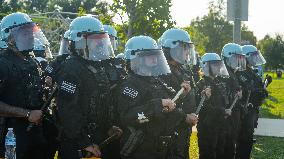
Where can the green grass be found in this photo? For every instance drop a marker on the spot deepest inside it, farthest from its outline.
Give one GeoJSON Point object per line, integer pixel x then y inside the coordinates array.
{"type": "Point", "coordinates": [264, 148]}
{"type": "Point", "coordinates": [273, 107]}
{"type": "Point", "coordinates": [268, 148]}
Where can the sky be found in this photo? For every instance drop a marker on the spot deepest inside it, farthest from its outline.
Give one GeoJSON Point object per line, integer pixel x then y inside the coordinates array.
{"type": "Point", "coordinates": [264, 16]}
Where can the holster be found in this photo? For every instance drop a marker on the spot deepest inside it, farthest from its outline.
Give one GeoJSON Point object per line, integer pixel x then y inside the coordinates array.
{"type": "Point", "coordinates": [133, 141]}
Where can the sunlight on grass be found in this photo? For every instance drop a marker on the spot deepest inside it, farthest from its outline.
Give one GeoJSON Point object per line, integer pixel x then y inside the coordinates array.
{"type": "Point", "coordinates": [273, 107]}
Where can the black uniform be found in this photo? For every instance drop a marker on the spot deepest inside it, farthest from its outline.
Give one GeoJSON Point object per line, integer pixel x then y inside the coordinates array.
{"type": "Point", "coordinates": [250, 81]}
{"type": "Point", "coordinates": [20, 86]}
{"type": "Point", "coordinates": [54, 66]}
{"type": "Point", "coordinates": [116, 74]}
{"type": "Point", "coordinates": [232, 122]}
{"type": "Point", "coordinates": [188, 105]}
{"type": "Point", "coordinates": [148, 131]}
{"type": "Point", "coordinates": [212, 124]}
{"type": "Point", "coordinates": [82, 104]}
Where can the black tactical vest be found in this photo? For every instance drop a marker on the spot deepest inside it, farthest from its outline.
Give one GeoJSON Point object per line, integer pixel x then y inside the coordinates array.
{"type": "Point", "coordinates": [23, 87]}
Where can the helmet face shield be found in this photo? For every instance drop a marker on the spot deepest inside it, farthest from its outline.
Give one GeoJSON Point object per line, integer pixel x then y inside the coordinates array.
{"type": "Point", "coordinates": [215, 68]}
{"type": "Point", "coordinates": [182, 52]}
{"type": "Point", "coordinates": [24, 36]}
{"type": "Point", "coordinates": [150, 63]}
{"type": "Point", "coordinates": [114, 42]}
{"type": "Point", "coordinates": [95, 47]}
{"type": "Point", "coordinates": [237, 62]}
{"type": "Point", "coordinates": [64, 47]}
{"type": "Point", "coordinates": [255, 59]}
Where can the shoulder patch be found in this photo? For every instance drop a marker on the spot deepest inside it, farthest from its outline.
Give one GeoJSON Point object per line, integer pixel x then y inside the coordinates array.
{"type": "Point", "coordinates": [130, 92]}
{"type": "Point", "coordinates": [68, 87]}
{"type": "Point", "coordinates": [243, 78]}
{"type": "Point", "coordinates": [49, 69]}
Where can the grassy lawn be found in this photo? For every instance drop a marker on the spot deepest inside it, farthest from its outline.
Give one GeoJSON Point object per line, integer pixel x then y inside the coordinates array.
{"type": "Point", "coordinates": [268, 148]}
{"type": "Point", "coordinates": [273, 106]}
{"type": "Point", "coordinates": [265, 148]}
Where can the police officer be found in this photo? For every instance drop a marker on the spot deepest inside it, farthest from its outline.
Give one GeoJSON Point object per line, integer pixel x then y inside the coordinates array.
{"type": "Point", "coordinates": [42, 53]}
{"type": "Point", "coordinates": [116, 74]}
{"type": "Point", "coordinates": [148, 115]}
{"type": "Point", "coordinates": [211, 134]}
{"type": "Point", "coordinates": [20, 85]}
{"type": "Point", "coordinates": [254, 95]}
{"type": "Point", "coordinates": [113, 36]}
{"type": "Point", "coordinates": [83, 91]}
{"type": "Point", "coordinates": [235, 62]}
{"type": "Point", "coordinates": [178, 49]}
{"type": "Point", "coordinates": [3, 46]}
{"type": "Point", "coordinates": [54, 66]}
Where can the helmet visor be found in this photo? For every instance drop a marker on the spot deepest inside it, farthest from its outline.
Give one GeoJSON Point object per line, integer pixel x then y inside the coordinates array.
{"type": "Point", "coordinates": [237, 62]}
{"type": "Point", "coordinates": [38, 34]}
{"type": "Point", "coordinates": [256, 59]}
{"type": "Point", "coordinates": [182, 52]}
{"type": "Point", "coordinates": [150, 63]}
{"type": "Point", "coordinates": [114, 42]}
{"type": "Point", "coordinates": [96, 47]}
{"type": "Point", "coordinates": [24, 36]}
{"type": "Point", "coordinates": [64, 47]}
{"type": "Point", "coordinates": [215, 68]}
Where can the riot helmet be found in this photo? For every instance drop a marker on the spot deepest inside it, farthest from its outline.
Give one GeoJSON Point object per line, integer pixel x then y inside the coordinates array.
{"type": "Point", "coordinates": [233, 56]}
{"type": "Point", "coordinates": [146, 58]}
{"type": "Point", "coordinates": [112, 35]}
{"type": "Point", "coordinates": [253, 55]}
{"type": "Point", "coordinates": [19, 32]}
{"type": "Point", "coordinates": [181, 48]}
{"type": "Point", "coordinates": [213, 66]}
{"type": "Point", "coordinates": [64, 44]}
{"type": "Point", "coordinates": [88, 39]}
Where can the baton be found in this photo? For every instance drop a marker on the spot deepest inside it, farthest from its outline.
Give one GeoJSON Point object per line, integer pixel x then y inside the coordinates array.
{"type": "Point", "coordinates": [178, 95]}
{"type": "Point", "coordinates": [234, 102]}
{"type": "Point", "coordinates": [166, 109]}
{"type": "Point", "coordinates": [45, 105]}
{"type": "Point", "coordinates": [200, 104]}
{"type": "Point", "coordinates": [108, 140]}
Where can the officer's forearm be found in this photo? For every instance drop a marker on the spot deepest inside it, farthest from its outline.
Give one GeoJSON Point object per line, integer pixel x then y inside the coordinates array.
{"type": "Point", "coordinates": [11, 111]}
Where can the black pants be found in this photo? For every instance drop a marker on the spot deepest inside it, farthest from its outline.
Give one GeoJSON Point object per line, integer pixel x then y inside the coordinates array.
{"type": "Point", "coordinates": [2, 142]}
{"type": "Point", "coordinates": [233, 127]}
{"type": "Point", "coordinates": [211, 142]}
{"type": "Point", "coordinates": [30, 145]}
{"type": "Point", "coordinates": [180, 150]}
{"type": "Point", "coordinates": [149, 149]}
{"type": "Point", "coordinates": [245, 140]}
{"type": "Point", "coordinates": [70, 150]}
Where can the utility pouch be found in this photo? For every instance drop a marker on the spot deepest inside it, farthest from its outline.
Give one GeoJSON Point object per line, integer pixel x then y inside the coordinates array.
{"type": "Point", "coordinates": [133, 141]}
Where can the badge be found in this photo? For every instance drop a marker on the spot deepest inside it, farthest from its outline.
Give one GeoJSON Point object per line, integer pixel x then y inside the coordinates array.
{"type": "Point", "coordinates": [130, 92]}
{"type": "Point", "coordinates": [142, 118]}
{"type": "Point", "coordinates": [68, 87]}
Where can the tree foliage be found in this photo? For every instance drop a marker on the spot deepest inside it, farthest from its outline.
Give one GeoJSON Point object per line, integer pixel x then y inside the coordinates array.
{"type": "Point", "coordinates": [273, 50]}
{"type": "Point", "coordinates": [145, 17]}
{"type": "Point", "coordinates": [216, 30]}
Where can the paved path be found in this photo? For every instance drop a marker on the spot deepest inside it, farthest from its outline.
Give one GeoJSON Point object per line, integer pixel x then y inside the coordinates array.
{"type": "Point", "coordinates": [270, 127]}
{"type": "Point", "coordinates": [267, 127]}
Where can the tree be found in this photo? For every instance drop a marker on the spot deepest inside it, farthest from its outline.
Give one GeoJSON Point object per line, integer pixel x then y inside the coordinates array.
{"type": "Point", "coordinates": [248, 36]}
{"type": "Point", "coordinates": [217, 30]}
{"type": "Point", "coordinates": [273, 50]}
{"type": "Point", "coordinates": [215, 27]}
{"type": "Point", "coordinates": [198, 38]}
{"type": "Point", "coordinates": [148, 17]}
